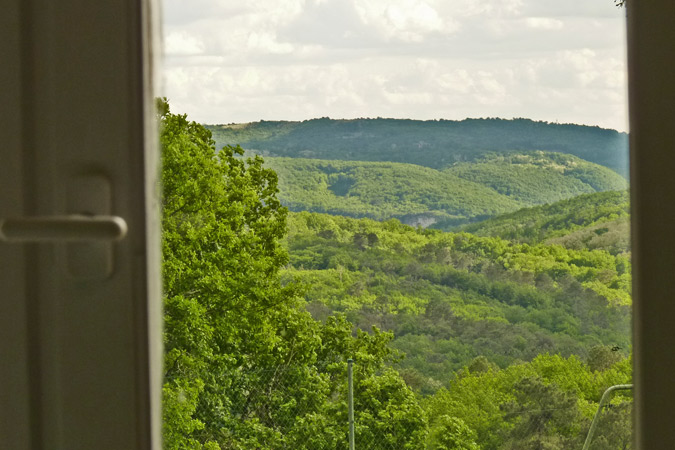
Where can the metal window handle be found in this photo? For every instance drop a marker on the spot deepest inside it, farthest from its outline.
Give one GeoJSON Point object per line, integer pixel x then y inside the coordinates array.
{"type": "Point", "coordinates": [69, 228]}
{"type": "Point", "coordinates": [86, 231]}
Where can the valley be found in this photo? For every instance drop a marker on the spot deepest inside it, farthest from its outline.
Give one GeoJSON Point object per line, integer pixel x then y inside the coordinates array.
{"type": "Point", "coordinates": [475, 275]}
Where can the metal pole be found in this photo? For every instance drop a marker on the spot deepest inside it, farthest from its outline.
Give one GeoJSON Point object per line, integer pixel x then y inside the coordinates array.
{"type": "Point", "coordinates": [605, 397]}
{"type": "Point", "coordinates": [350, 401]}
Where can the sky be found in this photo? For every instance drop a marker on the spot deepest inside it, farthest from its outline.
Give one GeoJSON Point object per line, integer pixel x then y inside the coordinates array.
{"type": "Point", "coordinates": [233, 61]}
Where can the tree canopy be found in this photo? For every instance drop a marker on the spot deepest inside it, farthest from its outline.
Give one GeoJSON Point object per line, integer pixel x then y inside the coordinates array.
{"type": "Point", "coordinates": [248, 367]}
{"type": "Point", "coordinates": [232, 326]}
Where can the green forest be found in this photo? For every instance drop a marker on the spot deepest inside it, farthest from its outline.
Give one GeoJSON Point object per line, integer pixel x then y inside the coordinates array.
{"type": "Point", "coordinates": [463, 193]}
{"type": "Point", "coordinates": [592, 221]}
{"type": "Point", "coordinates": [459, 340]}
{"type": "Point", "coordinates": [431, 143]}
{"type": "Point", "coordinates": [452, 297]}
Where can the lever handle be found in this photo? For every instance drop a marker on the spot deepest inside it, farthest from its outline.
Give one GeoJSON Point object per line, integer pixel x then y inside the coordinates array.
{"type": "Point", "coordinates": [70, 228]}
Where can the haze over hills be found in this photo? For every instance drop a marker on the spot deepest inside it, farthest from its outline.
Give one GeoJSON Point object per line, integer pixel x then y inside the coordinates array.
{"type": "Point", "coordinates": [436, 144]}
{"type": "Point", "coordinates": [465, 192]}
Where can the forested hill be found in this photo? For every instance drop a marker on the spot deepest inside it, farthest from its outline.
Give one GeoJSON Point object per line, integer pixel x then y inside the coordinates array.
{"type": "Point", "coordinates": [451, 297]}
{"type": "Point", "coordinates": [464, 192]}
{"type": "Point", "coordinates": [513, 343]}
{"type": "Point", "coordinates": [599, 220]}
{"type": "Point", "coordinates": [433, 143]}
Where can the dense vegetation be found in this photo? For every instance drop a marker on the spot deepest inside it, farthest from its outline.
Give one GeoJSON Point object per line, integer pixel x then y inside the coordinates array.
{"type": "Point", "coordinates": [434, 143]}
{"type": "Point", "coordinates": [543, 404]}
{"type": "Point", "coordinates": [590, 221]}
{"type": "Point", "coordinates": [451, 297]}
{"type": "Point", "coordinates": [229, 319]}
{"type": "Point", "coordinates": [538, 177]}
{"type": "Point", "coordinates": [257, 338]}
{"type": "Point", "coordinates": [462, 193]}
{"type": "Point", "coordinates": [382, 190]}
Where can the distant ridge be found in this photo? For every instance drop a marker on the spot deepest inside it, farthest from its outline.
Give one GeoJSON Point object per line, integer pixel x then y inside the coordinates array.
{"type": "Point", "coordinates": [466, 192]}
{"type": "Point", "coordinates": [432, 143]}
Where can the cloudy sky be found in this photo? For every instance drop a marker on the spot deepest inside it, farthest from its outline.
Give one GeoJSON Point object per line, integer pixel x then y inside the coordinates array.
{"type": "Point", "coordinates": [241, 61]}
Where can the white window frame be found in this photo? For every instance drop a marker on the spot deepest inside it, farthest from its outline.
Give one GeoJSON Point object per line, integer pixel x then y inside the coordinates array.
{"type": "Point", "coordinates": [32, 109]}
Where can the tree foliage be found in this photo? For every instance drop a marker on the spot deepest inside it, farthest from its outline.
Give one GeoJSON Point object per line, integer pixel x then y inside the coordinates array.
{"type": "Point", "coordinates": [592, 221]}
{"type": "Point", "coordinates": [229, 318]}
{"type": "Point", "coordinates": [547, 403]}
{"type": "Point", "coordinates": [465, 192]}
{"type": "Point", "coordinates": [431, 143]}
{"type": "Point", "coordinates": [248, 366]}
{"type": "Point", "coordinates": [452, 297]}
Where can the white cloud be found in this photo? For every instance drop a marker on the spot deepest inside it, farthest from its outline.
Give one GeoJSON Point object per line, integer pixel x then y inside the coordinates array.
{"type": "Point", "coordinates": [182, 43]}
{"type": "Point", "coordinates": [405, 20]}
{"type": "Point", "coordinates": [266, 42]}
{"type": "Point", "coordinates": [297, 59]}
{"type": "Point", "coordinates": [481, 8]}
{"type": "Point", "coordinates": [457, 81]}
{"type": "Point", "coordinates": [571, 8]}
{"type": "Point", "coordinates": [329, 23]}
{"type": "Point", "coordinates": [544, 23]}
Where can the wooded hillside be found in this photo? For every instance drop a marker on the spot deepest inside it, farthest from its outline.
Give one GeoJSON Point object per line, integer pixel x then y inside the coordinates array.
{"type": "Point", "coordinates": [465, 192]}
{"type": "Point", "coordinates": [436, 144]}
{"type": "Point", "coordinates": [451, 297]}
{"type": "Point", "coordinates": [599, 220]}
{"type": "Point", "coordinates": [507, 345]}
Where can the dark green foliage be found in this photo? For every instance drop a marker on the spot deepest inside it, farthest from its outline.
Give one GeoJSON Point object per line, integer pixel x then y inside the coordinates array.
{"type": "Point", "coordinates": [383, 190]}
{"type": "Point", "coordinates": [615, 426]}
{"type": "Point", "coordinates": [544, 416]}
{"type": "Point", "coordinates": [593, 221]}
{"type": "Point", "coordinates": [428, 197]}
{"type": "Point", "coordinates": [232, 326]}
{"type": "Point", "coordinates": [602, 357]}
{"type": "Point", "coordinates": [612, 236]}
{"type": "Point", "coordinates": [547, 403]}
{"type": "Point", "coordinates": [450, 298]}
{"type": "Point", "coordinates": [538, 177]}
{"type": "Point", "coordinates": [432, 143]}
{"type": "Point", "coordinates": [248, 367]}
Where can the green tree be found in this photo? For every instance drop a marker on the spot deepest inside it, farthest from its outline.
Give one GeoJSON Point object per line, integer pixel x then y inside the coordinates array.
{"type": "Point", "coordinates": [615, 427]}
{"type": "Point", "coordinates": [544, 417]}
{"type": "Point", "coordinates": [224, 305]}
{"type": "Point", "coordinates": [246, 366]}
{"type": "Point", "coordinates": [451, 433]}
{"type": "Point", "coordinates": [602, 357]}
